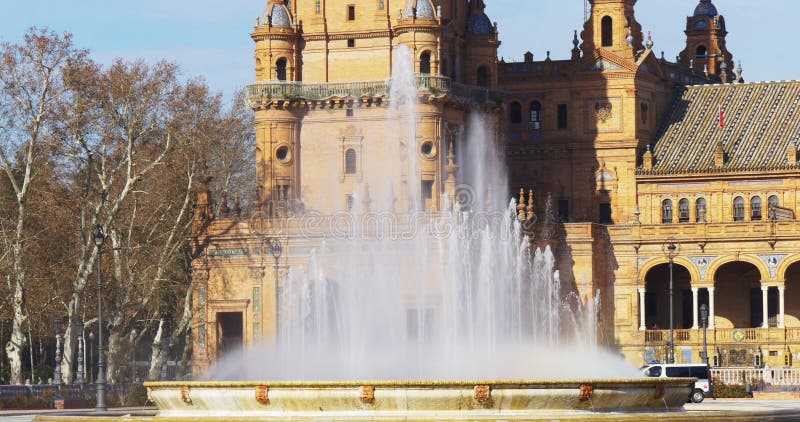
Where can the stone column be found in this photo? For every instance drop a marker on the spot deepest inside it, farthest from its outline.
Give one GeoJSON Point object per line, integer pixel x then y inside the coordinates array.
{"type": "Point", "coordinates": [695, 316]}
{"type": "Point", "coordinates": [642, 326]}
{"type": "Point", "coordinates": [781, 306]}
{"type": "Point", "coordinates": [764, 303]}
{"type": "Point", "coordinates": [711, 313]}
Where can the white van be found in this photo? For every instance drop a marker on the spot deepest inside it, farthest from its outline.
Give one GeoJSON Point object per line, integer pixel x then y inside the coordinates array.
{"type": "Point", "coordinates": [702, 387]}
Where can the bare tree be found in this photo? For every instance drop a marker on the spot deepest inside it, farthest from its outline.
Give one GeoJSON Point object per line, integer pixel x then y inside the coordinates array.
{"type": "Point", "coordinates": [30, 90]}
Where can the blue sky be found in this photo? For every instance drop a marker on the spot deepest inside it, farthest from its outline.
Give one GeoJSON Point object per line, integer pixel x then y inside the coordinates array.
{"type": "Point", "coordinates": [210, 38]}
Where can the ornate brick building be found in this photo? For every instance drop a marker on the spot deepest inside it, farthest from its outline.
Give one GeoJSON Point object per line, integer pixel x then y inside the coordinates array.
{"type": "Point", "coordinates": [629, 151]}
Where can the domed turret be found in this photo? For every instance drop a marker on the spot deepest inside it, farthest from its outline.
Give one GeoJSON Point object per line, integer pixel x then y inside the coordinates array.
{"type": "Point", "coordinates": [706, 8]}
{"type": "Point", "coordinates": [424, 9]}
{"type": "Point", "coordinates": [278, 15]}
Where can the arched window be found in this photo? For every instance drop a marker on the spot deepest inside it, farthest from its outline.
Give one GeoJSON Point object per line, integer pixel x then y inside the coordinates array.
{"type": "Point", "coordinates": [515, 113]}
{"type": "Point", "coordinates": [350, 161]}
{"type": "Point", "coordinates": [666, 211]}
{"type": "Point", "coordinates": [536, 115]}
{"type": "Point", "coordinates": [425, 63]}
{"type": "Point", "coordinates": [483, 76]}
{"type": "Point", "coordinates": [738, 209]}
{"type": "Point", "coordinates": [700, 210]}
{"type": "Point", "coordinates": [280, 69]}
{"type": "Point", "coordinates": [773, 201]}
{"type": "Point", "coordinates": [755, 208]}
{"type": "Point", "coordinates": [607, 31]}
{"type": "Point", "coordinates": [701, 52]}
{"type": "Point", "coordinates": [683, 210]}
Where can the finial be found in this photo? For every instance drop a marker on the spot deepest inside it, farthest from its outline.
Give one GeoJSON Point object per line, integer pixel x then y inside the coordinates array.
{"type": "Point", "coordinates": [575, 41]}
{"type": "Point", "coordinates": [663, 59]}
{"type": "Point", "coordinates": [705, 69]}
{"type": "Point", "coordinates": [529, 209]}
{"type": "Point", "coordinates": [439, 11]}
{"type": "Point", "coordinates": [649, 43]}
{"type": "Point", "coordinates": [258, 21]}
{"type": "Point", "coordinates": [451, 163]}
{"type": "Point", "coordinates": [223, 209]}
{"type": "Point", "coordinates": [237, 207]}
{"type": "Point", "coordinates": [521, 204]}
{"type": "Point", "coordinates": [691, 65]}
{"type": "Point", "coordinates": [739, 70]}
{"type": "Point", "coordinates": [548, 57]}
{"type": "Point", "coordinates": [630, 37]}
{"type": "Point", "coordinates": [648, 149]}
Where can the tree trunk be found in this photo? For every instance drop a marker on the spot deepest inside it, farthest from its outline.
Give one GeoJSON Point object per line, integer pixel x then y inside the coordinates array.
{"type": "Point", "coordinates": [16, 345]}
{"type": "Point", "coordinates": [114, 354]}
{"type": "Point", "coordinates": [157, 352]}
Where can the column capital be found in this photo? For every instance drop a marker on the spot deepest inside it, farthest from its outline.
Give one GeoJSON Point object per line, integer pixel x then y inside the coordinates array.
{"type": "Point", "coordinates": [782, 288]}
{"type": "Point", "coordinates": [764, 288]}
{"type": "Point", "coordinates": [641, 290]}
{"type": "Point", "coordinates": [695, 289]}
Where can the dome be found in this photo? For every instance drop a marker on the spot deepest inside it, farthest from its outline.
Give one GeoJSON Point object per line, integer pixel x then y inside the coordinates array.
{"type": "Point", "coordinates": [705, 8]}
{"type": "Point", "coordinates": [280, 16]}
{"type": "Point", "coordinates": [480, 24]}
{"type": "Point", "coordinates": [425, 9]}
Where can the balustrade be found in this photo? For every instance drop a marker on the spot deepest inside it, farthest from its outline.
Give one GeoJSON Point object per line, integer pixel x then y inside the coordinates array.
{"type": "Point", "coordinates": [321, 91]}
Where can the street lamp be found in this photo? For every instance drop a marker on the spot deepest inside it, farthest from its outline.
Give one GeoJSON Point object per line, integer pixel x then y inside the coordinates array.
{"type": "Point", "coordinates": [90, 366]}
{"type": "Point", "coordinates": [276, 249]}
{"type": "Point", "coordinates": [704, 322]}
{"type": "Point", "coordinates": [133, 355]}
{"type": "Point", "coordinates": [670, 249]}
{"type": "Point", "coordinates": [98, 237]}
{"type": "Point", "coordinates": [57, 327]}
{"type": "Point", "coordinates": [79, 376]}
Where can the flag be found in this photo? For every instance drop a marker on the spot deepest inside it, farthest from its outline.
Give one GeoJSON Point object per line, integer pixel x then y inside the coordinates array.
{"type": "Point", "coordinates": [721, 117]}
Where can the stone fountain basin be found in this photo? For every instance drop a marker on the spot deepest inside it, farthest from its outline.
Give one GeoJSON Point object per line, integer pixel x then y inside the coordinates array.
{"type": "Point", "coordinates": [414, 400]}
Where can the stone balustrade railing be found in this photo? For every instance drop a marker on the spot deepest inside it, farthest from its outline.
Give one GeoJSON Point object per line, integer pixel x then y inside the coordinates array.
{"type": "Point", "coordinates": [320, 91]}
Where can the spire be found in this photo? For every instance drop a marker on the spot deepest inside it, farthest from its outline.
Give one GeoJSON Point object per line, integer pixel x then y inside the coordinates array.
{"type": "Point", "coordinates": [705, 41]}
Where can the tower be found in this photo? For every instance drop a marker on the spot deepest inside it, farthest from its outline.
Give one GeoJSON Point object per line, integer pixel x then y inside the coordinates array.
{"type": "Point", "coordinates": [612, 26]}
{"type": "Point", "coordinates": [705, 42]}
{"type": "Point", "coordinates": [480, 64]}
{"type": "Point", "coordinates": [277, 34]}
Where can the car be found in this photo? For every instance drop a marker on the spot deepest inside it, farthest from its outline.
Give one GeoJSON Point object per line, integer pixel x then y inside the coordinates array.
{"type": "Point", "coordinates": [702, 387]}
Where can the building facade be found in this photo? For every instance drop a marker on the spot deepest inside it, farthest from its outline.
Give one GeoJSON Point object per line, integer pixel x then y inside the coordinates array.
{"type": "Point", "coordinates": [627, 151]}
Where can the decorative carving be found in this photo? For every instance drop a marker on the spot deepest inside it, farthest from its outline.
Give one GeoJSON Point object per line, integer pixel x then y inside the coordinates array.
{"type": "Point", "coordinates": [586, 392]}
{"type": "Point", "coordinates": [185, 395]}
{"type": "Point", "coordinates": [262, 392]}
{"type": "Point", "coordinates": [603, 110]}
{"type": "Point", "coordinates": [483, 393]}
{"type": "Point", "coordinates": [660, 392]}
{"type": "Point", "coordinates": [367, 394]}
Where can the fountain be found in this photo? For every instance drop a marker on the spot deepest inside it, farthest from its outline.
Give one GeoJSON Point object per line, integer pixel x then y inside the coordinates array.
{"type": "Point", "coordinates": [412, 296]}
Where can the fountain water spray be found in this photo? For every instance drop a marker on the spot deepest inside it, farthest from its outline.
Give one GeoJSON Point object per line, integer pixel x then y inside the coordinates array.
{"type": "Point", "coordinates": [471, 301]}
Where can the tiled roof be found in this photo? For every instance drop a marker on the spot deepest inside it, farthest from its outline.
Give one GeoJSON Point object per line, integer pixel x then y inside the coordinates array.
{"type": "Point", "coordinates": [762, 120]}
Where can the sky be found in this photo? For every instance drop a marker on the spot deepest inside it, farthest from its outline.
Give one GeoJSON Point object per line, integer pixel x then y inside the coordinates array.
{"type": "Point", "coordinates": [211, 38]}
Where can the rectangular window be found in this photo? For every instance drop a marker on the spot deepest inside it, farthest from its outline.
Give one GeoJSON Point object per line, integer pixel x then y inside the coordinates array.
{"type": "Point", "coordinates": [351, 12]}
{"type": "Point", "coordinates": [605, 214]}
{"type": "Point", "coordinates": [563, 210]}
{"type": "Point", "coordinates": [563, 118]}
{"type": "Point", "coordinates": [351, 43]}
{"type": "Point", "coordinates": [426, 193]}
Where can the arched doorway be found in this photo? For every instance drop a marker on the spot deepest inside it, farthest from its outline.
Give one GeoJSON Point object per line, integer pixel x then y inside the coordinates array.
{"type": "Point", "coordinates": [792, 296]}
{"type": "Point", "coordinates": [738, 296]}
{"type": "Point", "coordinates": [657, 298]}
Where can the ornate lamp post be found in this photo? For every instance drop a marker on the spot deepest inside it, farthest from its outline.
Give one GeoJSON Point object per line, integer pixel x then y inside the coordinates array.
{"type": "Point", "coordinates": [91, 356]}
{"type": "Point", "coordinates": [670, 248]}
{"type": "Point", "coordinates": [133, 355]}
{"type": "Point", "coordinates": [277, 250]}
{"type": "Point", "coordinates": [79, 375]}
{"type": "Point", "coordinates": [704, 323]}
{"type": "Point", "coordinates": [98, 237]}
{"type": "Point", "coordinates": [57, 375]}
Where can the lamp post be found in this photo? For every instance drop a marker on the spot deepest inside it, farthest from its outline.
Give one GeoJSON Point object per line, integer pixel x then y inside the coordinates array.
{"type": "Point", "coordinates": [670, 249]}
{"type": "Point", "coordinates": [98, 237]}
{"type": "Point", "coordinates": [90, 366]}
{"type": "Point", "coordinates": [133, 355]}
{"type": "Point", "coordinates": [704, 322]}
{"type": "Point", "coordinates": [79, 375]}
{"type": "Point", "coordinates": [277, 250]}
{"type": "Point", "coordinates": [57, 373]}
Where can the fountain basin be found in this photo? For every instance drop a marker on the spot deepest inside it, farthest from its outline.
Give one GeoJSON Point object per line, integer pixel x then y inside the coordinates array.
{"type": "Point", "coordinates": [415, 400]}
